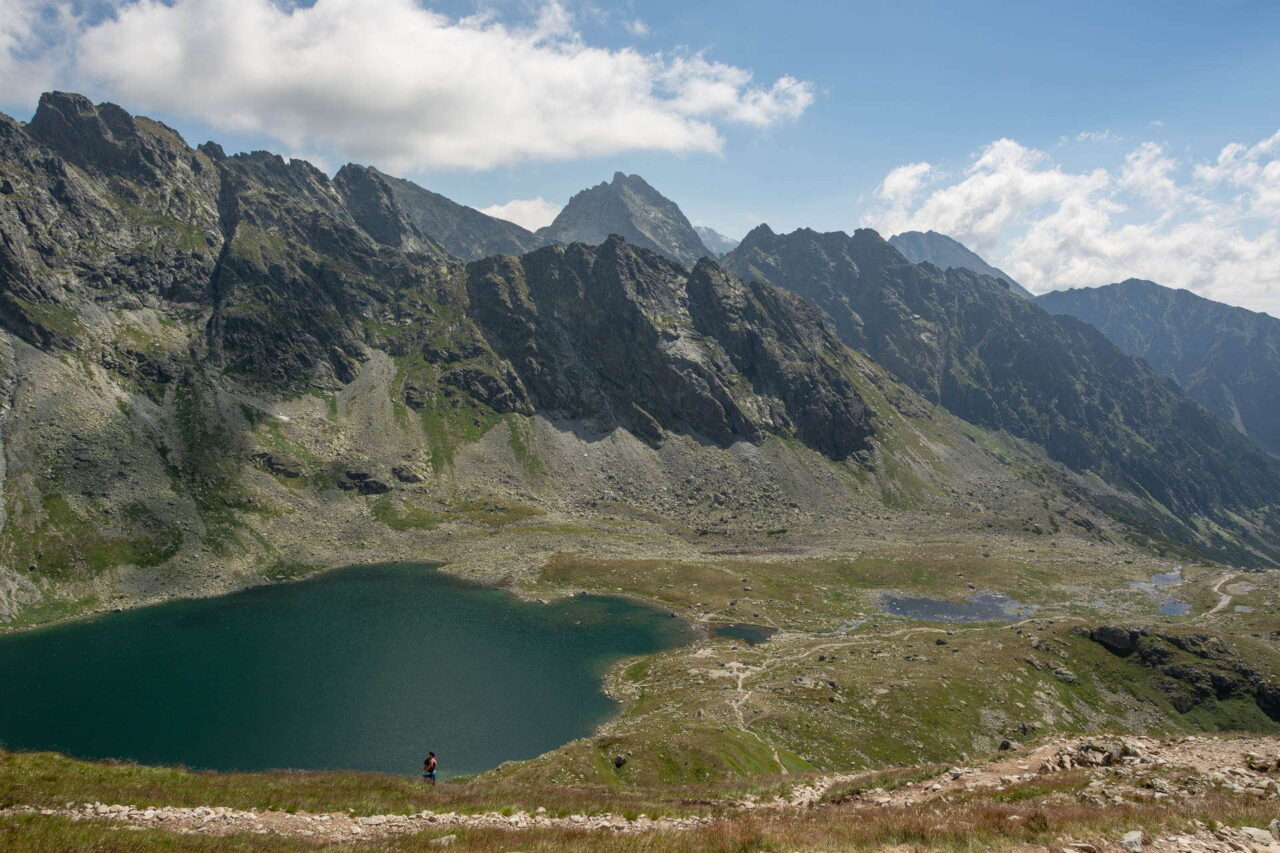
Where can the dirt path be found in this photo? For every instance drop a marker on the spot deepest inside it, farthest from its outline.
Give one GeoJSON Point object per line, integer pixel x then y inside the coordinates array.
{"type": "Point", "coordinates": [1224, 598]}
{"type": "Point", "coordinates": [340, 826]}
{"type": "Point", "coordinates": [1189, 764]}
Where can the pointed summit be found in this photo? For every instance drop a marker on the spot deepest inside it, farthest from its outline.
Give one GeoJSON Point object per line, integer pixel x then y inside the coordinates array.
{"type": "Point", "coordinates": [630, 207]}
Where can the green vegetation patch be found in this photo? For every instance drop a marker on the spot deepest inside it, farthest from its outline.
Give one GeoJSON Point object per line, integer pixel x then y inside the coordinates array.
{"type": "Point", "coordinates": [63, 544]}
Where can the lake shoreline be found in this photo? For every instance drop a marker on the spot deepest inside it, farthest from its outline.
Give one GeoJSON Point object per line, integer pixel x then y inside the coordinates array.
{"type": "Point", "coordinates": [428, 631]}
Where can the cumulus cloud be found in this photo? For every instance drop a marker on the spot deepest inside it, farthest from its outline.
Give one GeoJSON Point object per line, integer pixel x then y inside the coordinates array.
{"type": "Point", "coordinates": [390, 81]}
{"type": "Point", "coordinates": [531, 213]}
{"type": "Point", "coordinates": [901, 185]}
{"type": "Point", "coordinates": [1212, 227]}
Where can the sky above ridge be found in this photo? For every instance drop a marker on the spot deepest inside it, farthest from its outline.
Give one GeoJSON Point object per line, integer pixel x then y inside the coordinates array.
{"type": "Point", "coordinates": [1070, 144]}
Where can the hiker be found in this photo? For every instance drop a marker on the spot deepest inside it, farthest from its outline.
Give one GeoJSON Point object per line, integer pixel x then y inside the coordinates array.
{"type": "Point", "coordinates": [429, 768]}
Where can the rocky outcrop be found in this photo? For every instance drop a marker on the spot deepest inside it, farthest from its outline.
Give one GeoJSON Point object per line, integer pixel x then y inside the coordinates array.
{"type": "Point", "coordinates": [1194, 669]}
{"type": "Point", "coordinates": [1226, 358]}
{"type": "Point", "coordinates": [631, 208]}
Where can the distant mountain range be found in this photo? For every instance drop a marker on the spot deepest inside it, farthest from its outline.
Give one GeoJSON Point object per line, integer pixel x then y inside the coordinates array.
{"type": "Point", "coordinates": [1225, 357]}
{"type": "Point", "coordinates": [944, 252]}
{"type": "Point", "coordinates": [996, 359]}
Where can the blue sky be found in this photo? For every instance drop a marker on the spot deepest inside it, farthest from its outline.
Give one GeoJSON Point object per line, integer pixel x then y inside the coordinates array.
{"type": "Point", "coordinates": [1114, 115]}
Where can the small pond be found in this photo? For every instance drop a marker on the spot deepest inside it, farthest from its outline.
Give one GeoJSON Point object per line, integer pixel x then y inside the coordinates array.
{"type": "Point", "coordinates": [983, 606]}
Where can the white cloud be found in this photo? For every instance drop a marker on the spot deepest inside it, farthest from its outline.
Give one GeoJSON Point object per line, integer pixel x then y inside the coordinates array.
{"type": "Point", "coordinates": [388, 81]}
{"type": "Point", "coordinates": [531, 213]}
{"type": "Point", "coordinates": [637, 28]}
{"type": "Point", "coordinates": [1212, 227]}
{"type": "Point", "coordinates": [901, 186]}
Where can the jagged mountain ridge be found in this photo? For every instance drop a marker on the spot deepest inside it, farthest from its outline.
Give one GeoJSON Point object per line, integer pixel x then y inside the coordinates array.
{"type": "Point", "coordinates": [627, 206]}
{"type": "Point", "coordinates": [158, 304]}
{"type": "Point", "coordinates": [998, 360]}
{"type": "Point", "coordinates": [298, 273]}
{"type": "Point", "coordinates": [1226, 358]}
{"type": "Point", "coordinates": [945, 252]}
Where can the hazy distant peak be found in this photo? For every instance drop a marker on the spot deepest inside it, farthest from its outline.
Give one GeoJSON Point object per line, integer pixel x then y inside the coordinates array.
{"type": "Point", "coordinates": [946, 252]}
{"type": "Point", "coordinates": [715, 241]}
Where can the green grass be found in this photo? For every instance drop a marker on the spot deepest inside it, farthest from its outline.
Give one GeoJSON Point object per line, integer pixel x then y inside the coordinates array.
{"type": "Point", "coordinates": [401, 517]}
{"type": "Point", "coordinates": [62, 544]}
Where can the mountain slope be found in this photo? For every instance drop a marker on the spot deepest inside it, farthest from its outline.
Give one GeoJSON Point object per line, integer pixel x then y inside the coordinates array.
{"type": "Point", "coordinates": [1226, 358]}
{"type": "Point", "coordinates": [714, 240]}
{"type": "Point", "coordinates": [631, 208]}
{"type": "Point", "coordinates": [163, 308]}
{"type": "Point", "coordinates": [224, 371]}
{"type": "Point", "coordinates": [1000, 361]}
{"type": "Point", "coordinates": [463, 231]}
{"type": "Point", "coordinates": [945, 252]}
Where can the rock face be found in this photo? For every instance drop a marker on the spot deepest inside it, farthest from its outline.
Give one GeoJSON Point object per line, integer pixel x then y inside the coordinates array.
{"type": "Point", "coordinates": [1226, 358]}
{"type": "Point", "coordinates": [1000, 361]}
{"type": "Point", "coordinates": [631, 208]}
{"type": "Point", "coordinates": [623, 337]}
{"type": "Point", "coordinates": [462, 231]}
{"type": "Point", "coordinates": [1192, 670]}
{"type": "Point", "coordinates": [715, 241]}
{"type": "Point", "coordinates": [945, 252]}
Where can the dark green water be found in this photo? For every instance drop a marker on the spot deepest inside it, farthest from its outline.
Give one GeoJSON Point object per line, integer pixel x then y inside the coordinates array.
{"type": "Point", "coordinates": [364, 668]}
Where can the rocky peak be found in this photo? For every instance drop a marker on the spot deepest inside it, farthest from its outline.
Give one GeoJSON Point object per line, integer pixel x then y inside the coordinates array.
{"type": "Point", "coordinates": [628, 206]}
{"type": "Point", "coordinates": [372, 203]}
{"type": "Point", "coordinates": [104, 138]}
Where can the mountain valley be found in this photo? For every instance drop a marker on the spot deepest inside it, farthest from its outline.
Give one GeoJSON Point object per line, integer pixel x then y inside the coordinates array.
{"type": "Point", "coordinates": [220, 371]}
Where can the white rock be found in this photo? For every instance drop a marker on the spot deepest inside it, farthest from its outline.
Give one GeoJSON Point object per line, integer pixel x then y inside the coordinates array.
{"type": "Point", "coordinates": [1133, 841]}
{"type": "Point", "coordinates": [1257, 836]}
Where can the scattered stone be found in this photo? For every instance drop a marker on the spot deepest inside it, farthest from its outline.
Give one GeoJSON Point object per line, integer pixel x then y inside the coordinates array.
{"type": "Point", "coordinates": [1065, 675]}
{"type": "Point", "coordinates": [406, 474]}
{"type": "Point", "coordinates": [442, 841]}
{"type": "Point", "coordinates": [278, 464]}
{"type": "Point", "coordinates": [1133, 841]}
